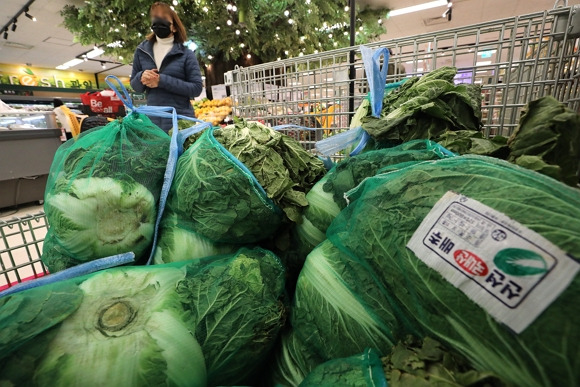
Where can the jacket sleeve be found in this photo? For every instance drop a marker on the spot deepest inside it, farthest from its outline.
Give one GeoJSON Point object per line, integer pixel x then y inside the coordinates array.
{"type": "Point", "coordinates": [192, 85]}
{"type": "Point", "coordinates": [136, 74]}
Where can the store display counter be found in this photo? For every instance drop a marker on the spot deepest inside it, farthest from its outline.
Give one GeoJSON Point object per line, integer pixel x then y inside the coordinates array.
{"type": "Point", "coordinates": [25, 159]}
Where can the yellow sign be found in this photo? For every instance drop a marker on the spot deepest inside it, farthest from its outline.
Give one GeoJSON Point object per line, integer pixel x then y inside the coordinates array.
{"type": "Point", "coordinates": [39, 77]}
{"type": "Point", "coordinates": [126, 81]}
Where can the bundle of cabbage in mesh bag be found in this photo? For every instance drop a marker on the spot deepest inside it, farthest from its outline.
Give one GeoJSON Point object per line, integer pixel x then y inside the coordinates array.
{"type": "Point", "coordinates": [210, 321]}
{"type": "Point", "coordinates": [102, 192]}
{"type": "Point", "coordinates": [445, 289]}
{"type": "Point", "coordinates": [238, 184]}
{"type": "Point", "coordinates": [326, 199]}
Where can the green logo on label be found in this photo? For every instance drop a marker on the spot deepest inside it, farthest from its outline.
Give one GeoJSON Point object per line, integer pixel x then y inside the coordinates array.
{"type": "Point", "coordinates": [520, 262]}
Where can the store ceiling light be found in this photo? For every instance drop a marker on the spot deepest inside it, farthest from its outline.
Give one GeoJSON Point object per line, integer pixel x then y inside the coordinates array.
{"type": "Point", "coordinates": [95, 52]}
{"type": "Point", "coordinates": [29, 16]}
{"type": "Point", "coordinates": [73, 62]}
{"type": "Point", "coordinates": [5, 35]}
{"type": "Point", "coordinates": [418, 8]}
{"type": "Point", "coordinates": [483, 63]}
{"type": "Point", "coordinates": [14, 25]}
{"type": "Point", "coordinates": [103, 65]}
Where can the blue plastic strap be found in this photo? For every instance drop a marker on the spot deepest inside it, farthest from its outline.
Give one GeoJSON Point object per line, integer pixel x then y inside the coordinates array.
{"type": "Point", "coordinates": [73, 272]}
{"type": "Point", "coordinates": [377, 78]}
{"type": "Point", "coordinates": [334, 144]}
{"type": "Point", "coordinates": [376, 75]}
{"type": "Point", "coordinates": [123, 94]}
{"type": "Point", "coordinates": [362, 144]}
{"type": "Point", "coordinates": [328, 163]}
{"type": "Point", "coordinates": [170, 167]}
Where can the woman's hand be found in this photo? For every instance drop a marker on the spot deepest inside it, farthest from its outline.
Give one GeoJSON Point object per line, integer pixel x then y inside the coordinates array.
{"type": "Point", "coordinates": [150, 78]}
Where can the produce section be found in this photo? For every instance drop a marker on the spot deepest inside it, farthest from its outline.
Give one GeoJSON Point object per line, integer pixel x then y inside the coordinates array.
{"type": "Point", "coordinates": [214, 111]}
{"type": "Point", "coordinates": [423, 236]}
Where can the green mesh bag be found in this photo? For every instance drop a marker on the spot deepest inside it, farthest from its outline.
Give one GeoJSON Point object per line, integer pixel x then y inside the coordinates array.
{"type": "Point", "coordinates": [220, 196]}
{"type": "Point", "coordinates": [340, 308]}
{"type": "Point", "coordinates": [178, 242]}
{"type": "Point", "coordinates": [102, 192]}
{"type": "Point", "coordinates": [326, 199]}
{"type": "Point", "coordinates": [196, 323]}
{"type": "Point", "coordinates": [384, 213]}
{"type": "Point", "coordinates": [363, 370]}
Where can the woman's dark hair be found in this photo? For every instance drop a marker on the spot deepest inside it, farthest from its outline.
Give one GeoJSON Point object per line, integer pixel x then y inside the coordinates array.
{"type": "Point", "coordinates": [180, 34]}
{"type": "Point", "coordinates": [57, 103]}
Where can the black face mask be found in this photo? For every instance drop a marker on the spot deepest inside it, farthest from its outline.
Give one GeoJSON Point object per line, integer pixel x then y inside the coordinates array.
{"type": "Point", "coordinates": [161, 27]}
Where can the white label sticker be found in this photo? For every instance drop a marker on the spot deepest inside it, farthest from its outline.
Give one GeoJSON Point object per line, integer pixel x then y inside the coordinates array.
{"type": "Point", "coordinates": [509, 270]}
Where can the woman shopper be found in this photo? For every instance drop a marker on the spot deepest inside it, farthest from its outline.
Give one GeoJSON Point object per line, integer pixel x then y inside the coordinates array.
{"type": "Point", "coordinates": [164, 68]}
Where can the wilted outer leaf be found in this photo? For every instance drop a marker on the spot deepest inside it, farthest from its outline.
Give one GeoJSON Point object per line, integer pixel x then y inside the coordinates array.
{"type": "Point", "coordinates": [25, 315]}
{"type": "Point", "coordinates": [551, 132]}
{"type": "Point", "coordinates": [418, 363]}
{"type": "Point", "coordinates": [279, 163]}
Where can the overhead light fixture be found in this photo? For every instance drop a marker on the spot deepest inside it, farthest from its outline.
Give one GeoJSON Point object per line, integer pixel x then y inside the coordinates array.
{"type": "Point", "coordinates": [209, 57]}
{"type": "Point", "coordinates": [61, 67]}
{"type": "Point", "coordinates": [418, 7]}
{"type": "Point", "coordinates": [483, 63]}
{"type": "Point", "coordinates": [73, 62]}
{"type": "Point", "coordinates": [95, 52]}
{"type": "Point", "coordinates": [103, 65]}
{"type": "Point", "coordinates": [14, 25]}
{"type": "Point", "coordinates": [249, 56]}
{"type": "Point", "coordinates": [29, 16]}
{"type": "Point", "coordinates": [6, 35]}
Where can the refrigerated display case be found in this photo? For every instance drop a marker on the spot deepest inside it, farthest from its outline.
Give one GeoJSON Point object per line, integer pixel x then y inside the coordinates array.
{"type": "Point", "coordinates": [28, 142]}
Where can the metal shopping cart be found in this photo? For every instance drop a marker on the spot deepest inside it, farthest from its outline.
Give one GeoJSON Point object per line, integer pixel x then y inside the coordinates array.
{"type": "Point", "coordinates": [516, 60]}
{"type": "Point", "coordinates": [20, 249]}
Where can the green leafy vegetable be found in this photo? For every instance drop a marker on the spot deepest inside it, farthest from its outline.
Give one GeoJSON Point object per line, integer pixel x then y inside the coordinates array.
{"type": "Point", "coordinates": [236, 304]}
{"type": "Point", "coordinates": [233, 182]}
{"type": "Point", "coordinates": [178, 241]}
{"type": "Point", "coordinates": [130, 329]}
{"type": "Point", "coordinates": [364, 370]}
{"type": "Point", "coordinates": [386, 210]}
{"type": "Point", "coordinates": [294, 360]}
{"type": "Point", "coordinates": [472, 142]}
{"type": "Point", "coordinates": [550, 133]}
{"type": "Point", "coordinates": [100, 217]}
{"type": "Point", "coordinates": [221, 199]}
{"type": "Point", "coordinates": [102, 192]}
{"type": "Point", "coordinates": [280, 163]}
{"type": "Point", "coordinates": [425, 108]}
{"type": "Point", "coordinates": [181, 324]}
{"type": "Point", "coordinates": [425, 363]}
{"type": "Point", "coordinates": [326, 199]}
{"type": "Point", "coordinates": [520, 262]}
{"type": "Point", "coordinates": [340, 308]}
{"type": "Point", "coordinates": [25, 316]}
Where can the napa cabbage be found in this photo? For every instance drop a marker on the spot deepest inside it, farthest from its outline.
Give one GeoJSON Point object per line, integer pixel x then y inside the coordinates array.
{"type": "Point", "coordinates": [207, 321]}
{"type": "Point", "coordinates": [386, 210]}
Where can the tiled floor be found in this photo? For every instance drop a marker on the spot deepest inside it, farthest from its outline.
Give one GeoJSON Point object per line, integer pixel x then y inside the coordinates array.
{"type": "Point", "coordinates": [22, 231]}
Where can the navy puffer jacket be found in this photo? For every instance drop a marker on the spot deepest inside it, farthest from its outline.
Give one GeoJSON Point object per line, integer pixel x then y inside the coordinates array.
{"type": "Point", "coordinates": [179, 79]}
